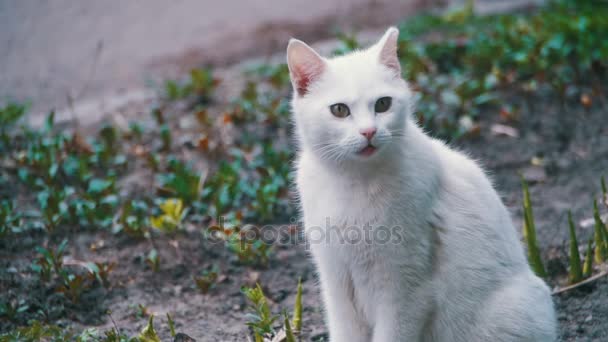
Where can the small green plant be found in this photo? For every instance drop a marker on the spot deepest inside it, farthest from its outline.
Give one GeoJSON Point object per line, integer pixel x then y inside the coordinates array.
{"type": "Point", "coordinates": [73, 286]}
{"type": "Point", "coordinates": [245, 244]}
{"type": "Point", "coordinates": [529, 233]}
{"type": "Point", "coordinates": [9, 115]}
{"type": "Point", "coordinates": [53, 207]}
{"type": "Point", "coordinates": [588, 264]}
{"type": "Point", "coordinates": [207, 280]}
{"type": "Point", "coordinates": [141, 311]}
{"type": "Point", "coordinates": [604, 192]}
{"type": "Point", "coordinates": [100, 271]}
{"type": "Point", "coordinates": [171, 324]}
{"type": "Point", "coordinates": [173, 213]}
{"type": "Point", "coordinates": [11, 309]}
{"type": "Point", "coordinates": [153, 260]}
{"type": "Point", "coordinates": [165, 136]}
{"type": "Point", "coordinates": [148, 334]}
{"type": "Point", "coordinates": [600, 236]}
{"type": "Point", "coordinates": [576, 273]}
{"type": "Point", "coordinates": [10, 220]}
{"type": "Point", "coordinates": [49, 261]}
{"type": "Point", "coordinates": [297, 309]}
{"type": "Point", "coordinates": [37, 331]}
{"type": "Point", "coordinates": [132, 219]}
{"type": "Point", "coordinates": [289, 336]}
{"type": "Point", "coordinates": [182, 182]}
{"type": "Point", "coordinates": [201, 84]}
{"type": "Point", "coordinates": [261, 319]}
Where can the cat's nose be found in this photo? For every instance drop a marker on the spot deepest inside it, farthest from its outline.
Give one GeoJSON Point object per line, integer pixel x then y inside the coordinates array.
{"type": "Point", "coordinates": [368, 132]}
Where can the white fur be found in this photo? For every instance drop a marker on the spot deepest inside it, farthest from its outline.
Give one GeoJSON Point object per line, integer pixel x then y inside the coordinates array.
{"type": "Point", "coordinates": [454, 269]}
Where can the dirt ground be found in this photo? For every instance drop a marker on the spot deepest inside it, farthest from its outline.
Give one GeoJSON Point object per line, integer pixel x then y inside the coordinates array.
{"type": "Point", "coordinates": [571, 142]}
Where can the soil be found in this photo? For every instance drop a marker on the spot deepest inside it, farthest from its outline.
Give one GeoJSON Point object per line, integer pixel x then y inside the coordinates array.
{"type": "Point", "coordinates": [571, 140]}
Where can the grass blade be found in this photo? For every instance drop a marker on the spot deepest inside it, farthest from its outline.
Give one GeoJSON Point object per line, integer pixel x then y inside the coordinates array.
{"type": "Point", "coordinates": [297, 309]}
{"type": "Point", "coordinates": [289, 337]}
{"type": "Point", "coordinates": [529, 233]}
{"type": "Point", "coordinates": [604, 192]}
{"type": "Point", "coordinates": [588, 266]}
{"type": "Point", "coordinates": [600, 236]}
{"type": "Point", "coordinates": [576, 274]}
{"type": "Point", "coordinates": [171, 324]}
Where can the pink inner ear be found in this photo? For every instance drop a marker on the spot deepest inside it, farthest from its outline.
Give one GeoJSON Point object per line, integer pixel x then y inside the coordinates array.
{"type": "Point", "coordinates": [305, 66]}
{"type": "Point", "coordinates": [388, 54]}
{"type": "Point", "coordinates": [303, 80]}
{"type": "Point", "coordinates": [305, 74]}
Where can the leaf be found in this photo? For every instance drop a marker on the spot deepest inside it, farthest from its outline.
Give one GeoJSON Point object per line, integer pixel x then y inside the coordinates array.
{"type": "Point", "coordinates": [529, 233]}
{"type": "Point", "coordinates": [576, 274]}
{"type": "Point", "coordinates": [173, 214]}
{"type": "Point", "coordinates": [171, 324]}
{"type": "Point", "coordinates": [588, 266]}
{"type": "Point", "coordinates": [600, 236]}
{"type": "Point", "coordinates": [297, 309]}
{"type": "Point", "coordinates": [604, 192]}
{"type": "Point", "coordinates": [148, 334]}
{"type": "Point", "coordinates": [288, 332]}
{"type": "Point", "coordinates": [97, 186]}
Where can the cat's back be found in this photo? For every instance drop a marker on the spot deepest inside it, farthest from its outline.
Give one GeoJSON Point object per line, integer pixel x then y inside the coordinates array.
{"type": "Point", "coordinates": [470, 213]}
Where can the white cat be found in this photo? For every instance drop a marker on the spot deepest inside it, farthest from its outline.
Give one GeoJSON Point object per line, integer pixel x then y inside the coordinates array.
{"type": "Point", "coordinates": [411, 241]}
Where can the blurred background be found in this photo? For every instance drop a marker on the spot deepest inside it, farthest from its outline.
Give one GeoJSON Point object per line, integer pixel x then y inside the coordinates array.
{"type": "Point", "coordinates": [145, 146]}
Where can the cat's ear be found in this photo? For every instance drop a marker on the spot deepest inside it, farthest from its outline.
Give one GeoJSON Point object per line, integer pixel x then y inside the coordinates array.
{"type": "Point", "coordinates": [387, 49]}
{"type": "Point", "coordinates": [305, 65]}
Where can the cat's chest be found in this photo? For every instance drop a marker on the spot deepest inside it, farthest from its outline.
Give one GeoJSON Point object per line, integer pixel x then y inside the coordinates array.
{"type": "Point", "coordinates": [337, 200]}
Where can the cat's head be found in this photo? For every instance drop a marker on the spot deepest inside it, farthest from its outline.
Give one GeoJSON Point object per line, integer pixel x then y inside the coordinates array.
{"type": "Point", "coordinates": [352, 107]}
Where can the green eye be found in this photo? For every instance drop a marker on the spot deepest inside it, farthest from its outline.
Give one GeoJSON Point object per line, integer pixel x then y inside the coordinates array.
{"type": "Point", "coordinates": [383, 104]}
{"type": "Point", "coordinates": [339, 110]}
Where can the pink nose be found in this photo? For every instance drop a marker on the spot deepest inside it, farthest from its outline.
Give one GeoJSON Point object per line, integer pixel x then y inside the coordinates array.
{"type": "Point", "coordinates": [368, 132]}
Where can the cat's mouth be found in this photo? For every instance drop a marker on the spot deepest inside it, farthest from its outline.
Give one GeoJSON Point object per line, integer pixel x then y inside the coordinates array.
{"type": "Point", "coordinates": [368, 150]}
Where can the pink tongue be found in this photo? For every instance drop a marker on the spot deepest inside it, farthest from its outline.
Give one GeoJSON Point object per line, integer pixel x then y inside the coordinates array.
{"type": "Point", "coordinates": [368, 150]}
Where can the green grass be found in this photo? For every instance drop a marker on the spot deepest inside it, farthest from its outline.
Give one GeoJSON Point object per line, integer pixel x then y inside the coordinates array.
{"type": "Point", "coordinates": [529, 233]}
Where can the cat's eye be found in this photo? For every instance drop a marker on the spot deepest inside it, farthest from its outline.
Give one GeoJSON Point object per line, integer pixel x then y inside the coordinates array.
{"type": "Point", "coordinates": [339, 110]}
{"type": "Point", "coordinates": [383, 104]}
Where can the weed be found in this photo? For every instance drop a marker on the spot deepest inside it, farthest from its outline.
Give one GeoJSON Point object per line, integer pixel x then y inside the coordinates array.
{"type": "Point", "coordinates": [588, 265]}
{"type": "Point", "coordinates": [207, 280]}
{"type": "Point", "coordinates": [171, 324]}
{"type": "Point", "coordinates": [50, 260]}
{"type": "Point", "coordinates": [73, 286]}
{"type": "Point", "coordinates": [37, 331]}
{"type": "Point", "coordinates": [244, 243]}
{"type": "Point", "coordinates": [529, 233]}
{"type": "Point", "coordinates": [132, 219]}
{"type": "Point", "coordinates": [576, 273]}
{"type": "Point", "coordinates": [141, 311]}
{"type": "Point", "coordinates": [10, 220]}
{"type": "Point", "coordinates": [182, 182]}
{"type": "Point", "coordinates": [600, 236]}
{"type": "Point", "coordinates": [148, 334]}
{"type": "Point", "coordinates": [11, 309]}
{"type": "Point", "coordinates": [53, 207]}
{"type": "Point", "coordinates": [173, 213]}
{"type": "Point", "coordinates": [100, 271]}
{"type": "Point", "coordinates": [200, 84]}
{"type": "Point", "coordinates": [261, 319]}
{"type": "Point", "coordinates": [297, 309]}
{"type": "Point", "coordinates": [289, 336]}
{"type": "Point", "coordinates": [153, 260]}
{"type": "Point", "coordinates": [9, 115]}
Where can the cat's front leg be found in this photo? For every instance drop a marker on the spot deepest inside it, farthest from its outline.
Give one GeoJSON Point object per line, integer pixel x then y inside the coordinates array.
{"type": "Point", "coordinates": [344, 320]}
{"type": "Point", "coordinates": [407, 318]}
